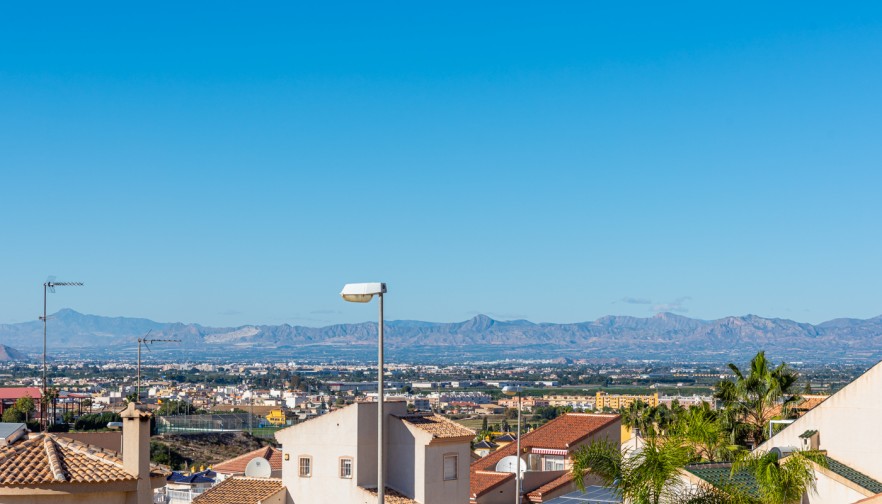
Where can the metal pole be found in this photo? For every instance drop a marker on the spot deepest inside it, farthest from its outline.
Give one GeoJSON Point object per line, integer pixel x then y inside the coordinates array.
{"type": "Point", "coordinates": [138, 399]}
{"type": "Point", "coordinates": [43, 397]}
{"type": "Point", "coordinates": [518, 480]}
{"type": "Point", "coordinates": [381, 482]}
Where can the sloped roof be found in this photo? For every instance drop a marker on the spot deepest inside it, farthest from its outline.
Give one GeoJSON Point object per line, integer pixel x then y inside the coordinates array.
{"type": "Point", "coordinates": [481, 482]}
{"type": "Point", "coordinates": [555, 484]}
{"type": "Point", "coordinates": [237, 464]}
{"type": "Point", "coordinates": [854, 476]}
{"type": "Point", "coordinates": [562, 433]}
{"type": "Point", "coordinates": [720, 475]}
{"type": "Point", "coordinates": [438, 426]}
{"type": "Point", "coordinates": [16, 392]}
{"type": "Point", "coordinates": [47, 458]}
{"type": "Point", "coordinates": [240, 490]}
{"type": "Point", "coordinates": [391, 496]}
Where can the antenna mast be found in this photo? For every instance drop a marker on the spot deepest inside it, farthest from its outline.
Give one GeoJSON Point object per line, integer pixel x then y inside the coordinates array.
{"type": "Point", "coordinates": [145, 341]}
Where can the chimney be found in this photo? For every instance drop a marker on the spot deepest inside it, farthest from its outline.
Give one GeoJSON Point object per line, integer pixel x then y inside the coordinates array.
{"type": "Point", "coordinates": [136, 449]}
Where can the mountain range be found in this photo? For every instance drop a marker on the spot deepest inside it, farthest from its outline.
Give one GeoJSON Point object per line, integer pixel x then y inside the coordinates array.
{"type": "Point", "coordinates": [664, 335]}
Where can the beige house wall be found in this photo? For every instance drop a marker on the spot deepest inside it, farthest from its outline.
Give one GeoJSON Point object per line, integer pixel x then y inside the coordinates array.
{"type": "Point", "coordinates": [438, 491]}
{"type": "Point", "coordinates": [347, 432]}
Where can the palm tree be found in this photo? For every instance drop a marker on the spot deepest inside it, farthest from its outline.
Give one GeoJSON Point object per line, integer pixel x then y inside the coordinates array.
{"type": "Point", "coordinates": [701, 427]}
{"type": "Point", "coordinates": [649, 476]}
{"type": "Point", "coordinates": [782, 480]}
{"type": "Point", "coordinates": [755, 397]}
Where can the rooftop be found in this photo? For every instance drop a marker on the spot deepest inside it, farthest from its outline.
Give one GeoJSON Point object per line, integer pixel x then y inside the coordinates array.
{"type": "Point", "coordinates": [482, 482]}
{"type": "Point", "coordinates": [562, 433]}
{"type": "Point", "coordinates": [48, 458]}
{"type": "Point", "coordinates": [237, 464]}
{"type": "Point", "coordinates": [240, 490]}
{"type": "Point", "coordinates": [392, 496]}
{"type": "Point", "coordinates": [438, 426]}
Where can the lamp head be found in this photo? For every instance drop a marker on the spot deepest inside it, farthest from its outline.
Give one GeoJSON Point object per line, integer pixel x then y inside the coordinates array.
{"type": "Point", "coordinates": [362, 292]}
{"type": "Point", "coordinates": [510, 390]}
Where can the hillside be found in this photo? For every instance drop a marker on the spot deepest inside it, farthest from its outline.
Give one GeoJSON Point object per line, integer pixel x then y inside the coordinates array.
{"type": "Point", "coordinates": [662, 335]}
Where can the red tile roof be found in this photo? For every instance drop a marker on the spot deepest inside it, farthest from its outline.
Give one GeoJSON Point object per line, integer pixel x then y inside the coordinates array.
{"type": "Point", "coordinates": [16, 392]}
{"type": "Point", "coordinates": [239, 490]}
{"type": "Point", "coordinates": [537, 495]}
{"type": "Point", "coordinates": [48, 458]}
{"type": "Point", "coordinates": [562, 433]}
{"type": "Point", "coordinates": [481, 482]}
{"type": "Point", "coordinates": [237, 465]}
{"type": "Point", "coordinates": [438, 426]}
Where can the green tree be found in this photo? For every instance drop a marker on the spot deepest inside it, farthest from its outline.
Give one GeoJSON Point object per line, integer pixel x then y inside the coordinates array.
{"type": "Point", "coordinates": [650, 476]}
{"type": "Point", "coordinates": [782, 480]}
{"type": "Point", "coordinates": [13, 415]}
{"type": "Point", "coordinates": [701, 427]}
{"type": "Point", "coordinates": [757, 396]}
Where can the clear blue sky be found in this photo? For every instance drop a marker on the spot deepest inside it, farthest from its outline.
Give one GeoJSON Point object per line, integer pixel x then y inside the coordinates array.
{"type": "Point", "coordinates": [225, 163]}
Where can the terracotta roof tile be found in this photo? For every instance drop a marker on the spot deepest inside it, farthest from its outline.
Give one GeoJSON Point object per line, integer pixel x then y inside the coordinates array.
{"type": "Point", "coordinates": [237, 464]}
{"type": "Point", "coordinates": [51, 459]}
{"type": "Point", "coordinates": [481, 482]}
{"type": "Point", "coordinates": [391, 496]}
{"type": "Point", "coordinates": [438, 426]}
{"type": "Point", "coordinates": [562, 433]}
{"type": "Point", "coordinates": [555, 484]}
{"type": "Point", "coordinates": [240, 490]}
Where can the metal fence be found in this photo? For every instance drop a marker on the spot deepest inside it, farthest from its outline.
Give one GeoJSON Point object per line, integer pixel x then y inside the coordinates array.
{"type": "Point", "coordinates": [220, 422]}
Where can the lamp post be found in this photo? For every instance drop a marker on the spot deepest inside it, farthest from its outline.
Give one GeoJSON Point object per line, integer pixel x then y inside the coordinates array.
{"type": "Point", "coordinates": [49, 286]}
{"type": "Point", "coordinates": [363, 293]}
{"type": "Point", "coordinates": [510, 391]}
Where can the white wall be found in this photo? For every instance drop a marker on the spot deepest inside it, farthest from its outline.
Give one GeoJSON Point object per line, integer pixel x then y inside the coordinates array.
{"type": "Point", "coordinates": [830, 491]}
{"type": "Point", "coordinates": [847, 423]}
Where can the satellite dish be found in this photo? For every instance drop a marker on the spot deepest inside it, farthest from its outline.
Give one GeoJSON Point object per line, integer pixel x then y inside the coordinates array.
{"type": "Point", "coordinates": [258, 468]}
{"type": "Point", "coordinates": [509, 464]}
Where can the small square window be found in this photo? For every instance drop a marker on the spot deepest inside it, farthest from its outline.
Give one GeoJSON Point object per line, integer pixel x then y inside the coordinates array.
{"type": "Point", "coordinates": [346, 468]}
{"type": "Point", "coordinates": [305, 467]}
{"type": "Point", "coordinates": [450, 467]}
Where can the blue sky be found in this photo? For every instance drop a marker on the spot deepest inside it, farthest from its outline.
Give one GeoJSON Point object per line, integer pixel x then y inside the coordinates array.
{"type": "Point", "coordinates": [225, 164]}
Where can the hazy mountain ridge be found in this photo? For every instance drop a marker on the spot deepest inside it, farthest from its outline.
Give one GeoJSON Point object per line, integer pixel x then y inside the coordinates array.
{"type": "Point", "coordinates": [620, 336]}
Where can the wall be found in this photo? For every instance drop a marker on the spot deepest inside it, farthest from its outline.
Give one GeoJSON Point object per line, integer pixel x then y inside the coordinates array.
{"type": "Point", "coordinates": [438, 491]}
{"type": "Point", "coordinates": [847, 423]}
{"type": "Point", "coordinates": [80, 498]}
{"type": "Point", "coordinates": [830, 491]}
{"type": "Point", "coordinates": [349, 432]}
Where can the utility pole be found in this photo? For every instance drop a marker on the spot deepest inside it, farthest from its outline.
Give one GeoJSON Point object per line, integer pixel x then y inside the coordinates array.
{"type": "Point", "coordinates": [49, 286]}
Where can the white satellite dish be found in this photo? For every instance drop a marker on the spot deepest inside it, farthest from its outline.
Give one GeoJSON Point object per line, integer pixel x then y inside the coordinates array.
{"type": "Point", "coordinates": [258, 468]}
{"type": "Point", "coordinates": [509, 465]}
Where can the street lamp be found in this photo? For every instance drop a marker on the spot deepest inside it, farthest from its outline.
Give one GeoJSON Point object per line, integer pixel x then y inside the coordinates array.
{"type": "Point", "coordinates": [511, 391]}
{"type": "Point", "coordinates": [362, 293]}
{"type": "Point", "coordinates": [49, 286]}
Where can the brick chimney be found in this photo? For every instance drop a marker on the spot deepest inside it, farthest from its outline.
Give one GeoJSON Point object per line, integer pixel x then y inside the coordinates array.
{"type": "Point", "coordinates": [136, 449]}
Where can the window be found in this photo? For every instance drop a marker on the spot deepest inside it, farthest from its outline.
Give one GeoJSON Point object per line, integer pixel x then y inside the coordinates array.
{"type": "Point", "coordinates": [449, 467]}
{"type": "Point", "coordinates": [554, 463]}
{"type": "Point", "coordinates": [345, 467]}
{"type": "Point", "coordinates": [305, 467]}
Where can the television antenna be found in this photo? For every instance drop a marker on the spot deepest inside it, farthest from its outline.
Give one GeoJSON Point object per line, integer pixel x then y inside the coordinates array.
{"type": "Point", "coordinates": [49, 287]}
{"type": "Point", "coordinates": [146, 342]}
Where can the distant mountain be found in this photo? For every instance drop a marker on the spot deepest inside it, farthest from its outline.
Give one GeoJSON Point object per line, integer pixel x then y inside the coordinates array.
{"type": "Point", "coordinates": [8, 354]}
{"type": "Point", "coordinates": [665, 335]}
